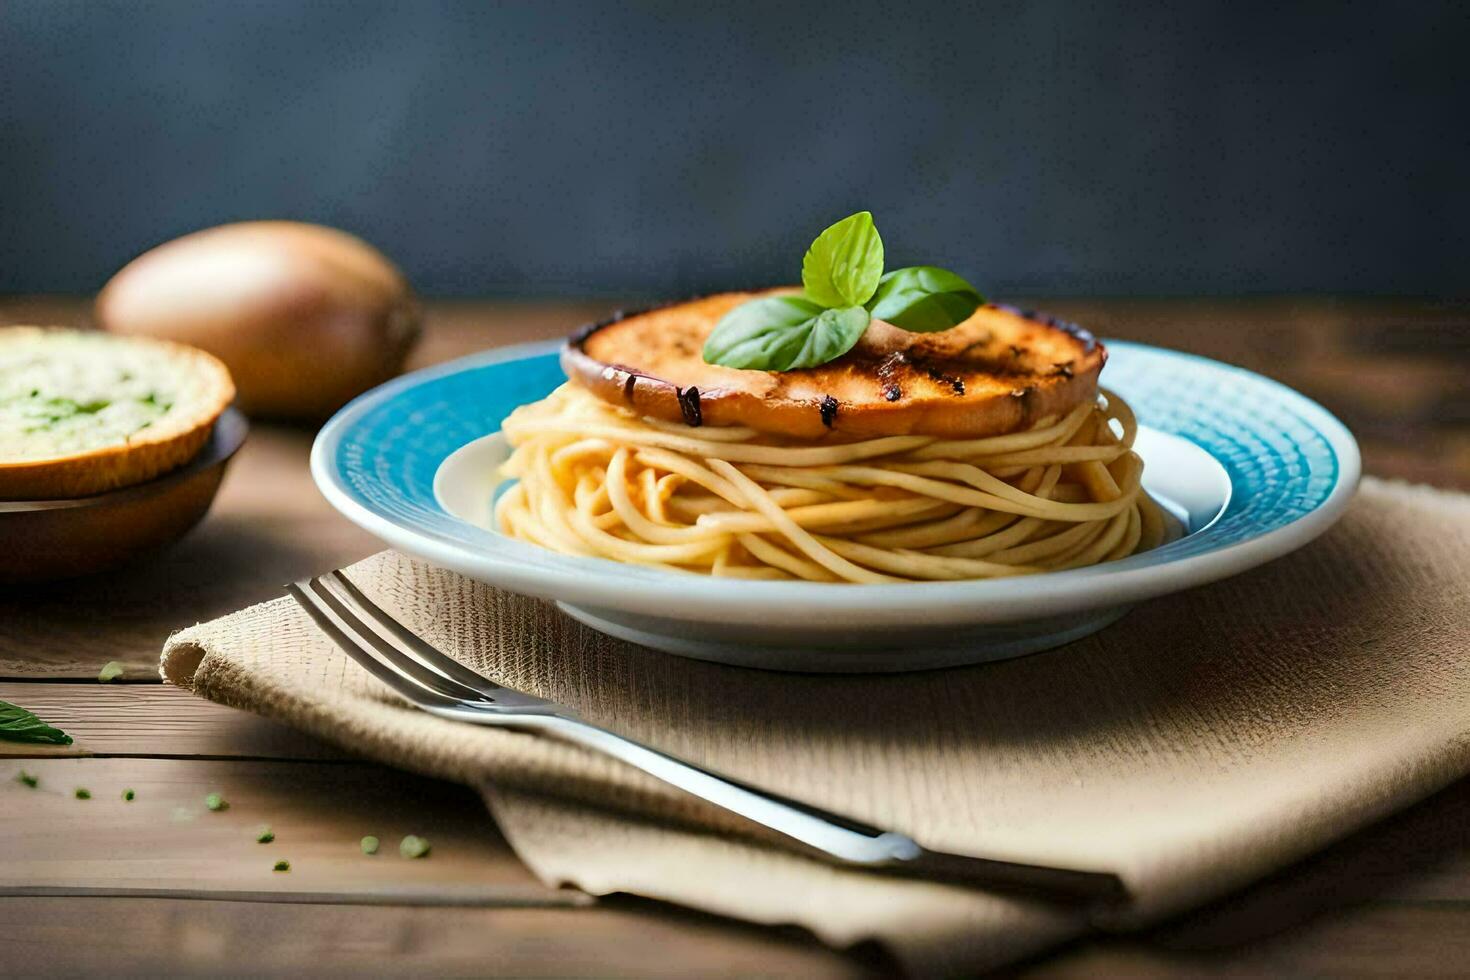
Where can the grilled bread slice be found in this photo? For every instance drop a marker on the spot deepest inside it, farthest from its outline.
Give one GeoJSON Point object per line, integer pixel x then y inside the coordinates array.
{"type": "Point", "coordinates": [999, 371]}
{"type": "Point", "coordinates": [82, 412]}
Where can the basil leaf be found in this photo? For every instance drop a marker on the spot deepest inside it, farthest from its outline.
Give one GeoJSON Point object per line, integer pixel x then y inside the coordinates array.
{"type": "Point", "coordinates": [924, 299]}
{"type": "Point", "coordinates": [783, 333]}
{"type": "Point", "coordinates": [19, 725]}
{"type": "Point", "coordinates": [754, 334]}
{"type": "Point", "coordinates": [844, 264]}
{"type": "Point", "coordinates": [832, 334]}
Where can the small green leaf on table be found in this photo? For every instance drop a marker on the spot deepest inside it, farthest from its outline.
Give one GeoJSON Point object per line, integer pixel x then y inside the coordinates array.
{"type": "Point", "coordinates": [19, 725]}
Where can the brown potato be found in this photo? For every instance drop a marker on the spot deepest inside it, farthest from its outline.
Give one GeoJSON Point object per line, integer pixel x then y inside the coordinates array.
{"type": "Point", "coordinates": [305, 317]}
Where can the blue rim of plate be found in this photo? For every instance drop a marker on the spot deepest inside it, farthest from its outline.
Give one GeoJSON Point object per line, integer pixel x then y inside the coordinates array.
{"type": "Point", "coordinates": [1293, 467]}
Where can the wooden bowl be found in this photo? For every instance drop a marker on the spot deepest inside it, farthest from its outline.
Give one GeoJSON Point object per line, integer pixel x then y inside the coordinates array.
{"type": "Point", "coordinates": [44, 540]}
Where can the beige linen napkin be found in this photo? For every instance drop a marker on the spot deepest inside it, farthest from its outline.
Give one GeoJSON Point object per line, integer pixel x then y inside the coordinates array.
{"type": "Point", "coordinates": [1202, 741]}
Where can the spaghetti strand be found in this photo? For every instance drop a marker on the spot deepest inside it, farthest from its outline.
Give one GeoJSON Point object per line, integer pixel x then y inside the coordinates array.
{"type": "Point", "coordinates": [595, 479]}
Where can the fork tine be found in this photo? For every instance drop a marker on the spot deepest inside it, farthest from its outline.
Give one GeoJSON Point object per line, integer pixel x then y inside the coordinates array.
{"type": "Point", "coordinates": [346, 639]}
{"type": "Point", "coordinates": [384, 649]}
{"type": "Point", "coordinates": [411, 642]}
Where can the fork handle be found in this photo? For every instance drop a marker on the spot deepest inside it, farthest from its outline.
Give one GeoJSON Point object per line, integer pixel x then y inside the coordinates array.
{"type": "Point", "coordinates": [840, 837]}
{"type": "Point", "coordinates": [833, 836]}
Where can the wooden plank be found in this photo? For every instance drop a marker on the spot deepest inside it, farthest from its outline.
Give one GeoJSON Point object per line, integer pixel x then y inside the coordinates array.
{"type": "Point", "coordinates": [133, 937]}
{"type": "Point", "coordinates": [166, 842]}
{"type": "Point", "coordinates": [152, 720]}
{"type": "Point", "coordinates": [47, 311]}
{"type": "Point", "coordinates": [1393, 369]}
{"type": "Point", "coordinates": [268, 526]}
{"type": "Point", "coordinates": [454, 328]}
{"type": "Point", "coordinates": [1374, 941]}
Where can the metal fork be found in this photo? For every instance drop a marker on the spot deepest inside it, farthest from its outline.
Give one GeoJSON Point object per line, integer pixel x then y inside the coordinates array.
{"type": "Point", "coordinates": [442, 686]}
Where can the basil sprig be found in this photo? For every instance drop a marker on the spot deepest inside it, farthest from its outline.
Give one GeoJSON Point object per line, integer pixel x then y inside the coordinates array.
{"type": "Point", "coordinates": [844, 288]}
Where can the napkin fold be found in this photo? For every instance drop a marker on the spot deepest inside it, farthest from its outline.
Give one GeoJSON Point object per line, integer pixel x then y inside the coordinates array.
{"type": "Point", "coordinates": [1201, 742]}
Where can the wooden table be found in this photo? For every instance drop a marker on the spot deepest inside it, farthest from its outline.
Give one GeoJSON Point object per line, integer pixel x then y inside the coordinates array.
{"type": "Point", "coordinates": [162, 885]}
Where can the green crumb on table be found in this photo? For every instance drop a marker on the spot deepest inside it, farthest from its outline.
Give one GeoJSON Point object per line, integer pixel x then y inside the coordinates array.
{"type": "Point", "coordinates": [28, 779]}
{"type": "Point", "coordinates": [110, 672]}
{"type": "Point", "coordinates": [129, 795]}
{"type": "Point", "coordinates": [369, 845]}
{"type": "Point", "coordinates": [413, 847]}
{"type": "Point", "coordinates": [83, 794]}
{"type": "Point", "coordinates": [216, 802]}
{"type": "Point", "coordinates": [282, 866]}
{"type": "Point", "coordinates": [265, 836]}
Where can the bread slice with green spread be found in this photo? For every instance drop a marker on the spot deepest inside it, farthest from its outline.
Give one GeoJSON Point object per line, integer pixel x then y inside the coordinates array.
{"type": "Point", "coordinates": [83, 412]}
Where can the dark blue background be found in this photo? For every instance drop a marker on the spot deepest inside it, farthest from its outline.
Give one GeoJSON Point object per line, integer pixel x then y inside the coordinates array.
{"type": "Point", "coordinates": [663, 148]}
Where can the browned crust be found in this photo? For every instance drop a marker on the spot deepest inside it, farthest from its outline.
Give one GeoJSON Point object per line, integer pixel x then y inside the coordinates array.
{"type": "Point", "coordinates": [997, 399]}
{"type": "Point", "coordinates": [145, 456]}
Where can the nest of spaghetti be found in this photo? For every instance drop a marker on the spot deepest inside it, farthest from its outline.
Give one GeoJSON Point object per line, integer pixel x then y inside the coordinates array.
{"type": "Point", "coordinates": [600, 480]}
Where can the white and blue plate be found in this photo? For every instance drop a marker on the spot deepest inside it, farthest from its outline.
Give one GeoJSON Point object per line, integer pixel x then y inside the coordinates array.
{"type": "Point", "coordinates": [1251, 469]}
